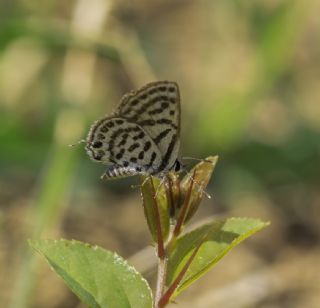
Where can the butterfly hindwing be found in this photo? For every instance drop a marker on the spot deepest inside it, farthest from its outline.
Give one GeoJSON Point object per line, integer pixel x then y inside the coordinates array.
{"type": "Point", "coordinates": [156, 108]}
{"type": "Point", "coordinates": [124, 144]}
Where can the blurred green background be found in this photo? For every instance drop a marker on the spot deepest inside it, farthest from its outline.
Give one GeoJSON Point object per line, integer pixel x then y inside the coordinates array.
{"type": "Point", "coordinates": [249, 76]}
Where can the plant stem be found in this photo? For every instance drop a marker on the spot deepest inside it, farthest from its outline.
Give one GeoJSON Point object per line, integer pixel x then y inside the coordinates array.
{"type": "Point", "coordinates": [162, 267]}
{"type": "Point", "coordinates": [167, 295]}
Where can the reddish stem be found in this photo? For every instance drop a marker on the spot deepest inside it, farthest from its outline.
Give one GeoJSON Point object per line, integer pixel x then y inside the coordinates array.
{"type": "Point", "coordinates": [170, 197]}
{"type": "Point", "coordinates": [162, 268]}
{"type": "Point", "coordinates": [167, 295]}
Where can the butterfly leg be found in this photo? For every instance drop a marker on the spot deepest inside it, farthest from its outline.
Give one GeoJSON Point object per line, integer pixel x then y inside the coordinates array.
{"type": "Point", "coordinates": [145, 180]}
{"type": "Point", "coordinates": [198, 185]}
{"type": "Point", "coordinates": [163, 182]}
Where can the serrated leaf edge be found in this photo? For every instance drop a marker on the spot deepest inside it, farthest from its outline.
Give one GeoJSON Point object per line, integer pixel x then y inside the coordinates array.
{"type": "Point", "coordinates": [234, 243]}
{"type": "Point", "coordinates": [32, 243]}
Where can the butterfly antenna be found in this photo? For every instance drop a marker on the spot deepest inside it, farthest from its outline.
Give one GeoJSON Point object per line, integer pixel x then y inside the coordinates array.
{"type": "Point", "coordinates": [197, 159]}
{"type": "Point", "coordinates": [196, 183]}
{"type": "Point", "coordinates": [77, 143]}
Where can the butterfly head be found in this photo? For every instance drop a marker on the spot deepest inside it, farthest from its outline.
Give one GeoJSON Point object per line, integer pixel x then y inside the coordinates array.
{"type": "Point", "coordinates": [177, 166]}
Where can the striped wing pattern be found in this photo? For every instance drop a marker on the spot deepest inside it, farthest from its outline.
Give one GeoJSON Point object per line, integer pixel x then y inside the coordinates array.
{"type": "Point", "coordinates": [156, 108]}
{"type": "Point", "coordinates": [116, 141]}
{"type": "Point", "coordinates": [142, 136]}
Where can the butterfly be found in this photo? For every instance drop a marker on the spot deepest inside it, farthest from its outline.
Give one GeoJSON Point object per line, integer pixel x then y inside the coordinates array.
{"type": "Point", "coordinates": [142, 136]}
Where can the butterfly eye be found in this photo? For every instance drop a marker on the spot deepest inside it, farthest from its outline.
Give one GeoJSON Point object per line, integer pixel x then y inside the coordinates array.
{"type": "Point", "coordinates": [177, 166]}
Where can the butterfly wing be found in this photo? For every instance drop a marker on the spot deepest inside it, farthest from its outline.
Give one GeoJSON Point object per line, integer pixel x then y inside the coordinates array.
{"type": "Point", "coordinates": [156, 108]}
{"type": "Point", "coordinates": [115, 140]}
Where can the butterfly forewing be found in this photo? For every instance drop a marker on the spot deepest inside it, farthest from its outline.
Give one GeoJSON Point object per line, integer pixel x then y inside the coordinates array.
{"type": "Point", "coordinates": [116, 141]}
{"type": "Point", "coordinates": [142, 136]}
{"type": "Point", "coordinates": [156, 108]}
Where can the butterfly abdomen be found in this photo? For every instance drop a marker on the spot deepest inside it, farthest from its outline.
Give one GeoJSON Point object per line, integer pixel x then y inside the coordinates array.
{"type": "Point", "coordinates": [115, 172]}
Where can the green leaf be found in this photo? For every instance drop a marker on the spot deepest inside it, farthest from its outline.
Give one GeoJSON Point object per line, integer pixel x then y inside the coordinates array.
{"type": "Point", "coordinates": [155, 205]}
{"type": "Point", "coordinates": [173, 193]}
{"type": "Point", "coordinates": [213, 240]}
{"type": "Point", "coordinates": [201, 175]}
{"type": "Point", "coordinates": [100, 278]}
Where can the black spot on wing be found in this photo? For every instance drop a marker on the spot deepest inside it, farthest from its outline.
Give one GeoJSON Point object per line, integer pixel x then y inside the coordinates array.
{"type": "Point", "coordinates": [133, 147]}
{"type": "Point", "coordinates": [155, 111]}
{"type": "Point", "coordinates": [141, 155]}
{"type": "Point", "coordinates": [167, 156]}
{"type": "Point", "coordinates": [133, 159]}
{"type": "Point", "coordinates": [167, 121]}
{"type": "Point", "coordinates": [132, 129]}
{"type": "Point", "coordinates": [139, 136]}
{"type": "Point", "coordinates": [120, 154]}
{"type": "Point", "coordinates": [101, 136]}
{"type": "Point", "coordinates": [113, 137]}
{"type": "Point", "coordinates": [152, 91]}
{"type": "Point", "coordinates": [135, 102]}
{"type": "Point", "coordinates": [99, 155]}
{"type": "Point", "coordinates": [142, 96]}
{"type": "Point", "coordinates": [163, 107]}
{"type": "Point", "coordinates": [147, 123]}
{"type": "Point", "coordinates": [147, 146]}
{"type": "Point", "coordinates": [104, 128]}
{"type": "Point", "coordinates": [152, 159]}
{"type": "Point", "coordinates": [151, 122]}
{"type": "Point", "coordinates": [162, 135]}
{"type": "Point", "coordinates": [97, 144]}
{"type": "Point", "coordinates": [146, 106]}
{"type": "Point", "coordinates": [123, 141]}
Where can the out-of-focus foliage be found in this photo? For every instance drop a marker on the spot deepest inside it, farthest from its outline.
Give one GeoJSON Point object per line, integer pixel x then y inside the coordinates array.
{"type": "Point", "coordinates": [249, 77]}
